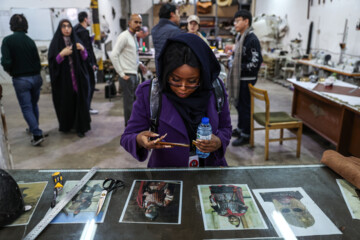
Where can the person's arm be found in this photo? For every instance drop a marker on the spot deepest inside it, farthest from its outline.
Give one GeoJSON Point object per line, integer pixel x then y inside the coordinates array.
{"type": "Point", "coordinates": [116, 53]}
{"type": "Point", "coordinates": [138, 122]}
{"type": "Point", "coordinates": [6, 60]}
{"type": "Point", "coordinates": [252, 62]}
{"type": "Point", "coordinates": [65, 52]}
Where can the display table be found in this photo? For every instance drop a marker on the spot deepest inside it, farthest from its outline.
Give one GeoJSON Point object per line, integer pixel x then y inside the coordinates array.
{"type": "Point", "coordinates": [318, 182]}
{"type": "Point", "coordinates": [335, 117]}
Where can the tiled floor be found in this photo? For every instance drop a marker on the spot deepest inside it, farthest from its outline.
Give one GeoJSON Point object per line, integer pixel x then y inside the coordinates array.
{"type": "Point", "coordinates": [101, 145]}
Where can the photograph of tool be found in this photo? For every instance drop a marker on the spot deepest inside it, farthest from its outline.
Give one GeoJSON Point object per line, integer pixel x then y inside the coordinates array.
{"type": "Point", "coordinates": [83, 206]}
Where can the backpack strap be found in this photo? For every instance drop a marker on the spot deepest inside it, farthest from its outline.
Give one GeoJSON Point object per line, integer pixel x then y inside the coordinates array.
{"type": "Point", "coordinates": [219, 94]}
{"type": "Point", "coordinates": [155, 104]}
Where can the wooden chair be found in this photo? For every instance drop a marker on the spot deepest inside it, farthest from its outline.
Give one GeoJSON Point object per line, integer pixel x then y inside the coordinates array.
{"type": "Point", "coordinates": [272, 120]}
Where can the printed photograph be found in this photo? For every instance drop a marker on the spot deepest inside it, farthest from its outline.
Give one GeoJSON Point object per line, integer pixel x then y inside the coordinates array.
{"type": "Point", "coordinates": [82, 208]}
{"type": "Point", "coordinates": [153, 202]}
{"type": "Point", "coordinates": [32, 193]}
{"type": "Point", "coordinates": [229, 207]}
{"type": "Point", "coordinates": [293, 212]}
{"type": "Point", "coordinates": [351, 197]}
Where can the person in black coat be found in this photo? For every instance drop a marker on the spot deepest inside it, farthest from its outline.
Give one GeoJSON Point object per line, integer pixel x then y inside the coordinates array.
{"type": "Point", "coordinates": [69, 80]}
{"type": "Point", "coordinates": [84, 36]}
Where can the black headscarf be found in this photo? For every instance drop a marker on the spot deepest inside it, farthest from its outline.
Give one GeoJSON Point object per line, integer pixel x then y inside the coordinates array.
{"type": "Point", "coordinates": [189, 49]}
{"type": "Point", "coordinates": [71, 109]}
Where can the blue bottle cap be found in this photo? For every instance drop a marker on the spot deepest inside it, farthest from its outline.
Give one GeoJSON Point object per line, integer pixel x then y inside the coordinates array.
{"type": "Point", "coordinates": [205, 120]}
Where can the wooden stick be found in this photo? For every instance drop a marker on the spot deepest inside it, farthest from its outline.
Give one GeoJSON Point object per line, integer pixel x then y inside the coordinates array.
{"type": "Point", "coordinates": [174, 144]}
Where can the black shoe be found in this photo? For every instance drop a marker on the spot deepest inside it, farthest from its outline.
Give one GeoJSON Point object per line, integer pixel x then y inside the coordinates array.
{"type": "Point", "coordinates": [240, 141]}
{"type": "Point", "coordinates": [81, 135]}
{"type": "Point", "coordinates": [236, 132]}
{"type": "Point", "coordinates": [36, 140]}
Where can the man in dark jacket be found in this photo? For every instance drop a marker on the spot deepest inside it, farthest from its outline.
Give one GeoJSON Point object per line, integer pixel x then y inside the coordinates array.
{"type": "Point", "coordinates": [84, 36]}
{"type": "Point", "coordinates": [20, 59]}
{"type": "Point", "coordinates": [245, 68]}
{"type": "Point", "coordinates": [167, 27]}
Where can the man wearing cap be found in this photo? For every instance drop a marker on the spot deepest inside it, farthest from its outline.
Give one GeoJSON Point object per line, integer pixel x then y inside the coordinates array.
{"type": "Point", "coordinates": [194, 25]}
{"type": "Point", "coordinates": [167, 27]}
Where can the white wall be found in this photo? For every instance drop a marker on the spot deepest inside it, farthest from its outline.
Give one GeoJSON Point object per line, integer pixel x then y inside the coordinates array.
{"type": "Point", "coordinates": [329, 18]}
{"type": "Point", "coordinates": [105, 7]}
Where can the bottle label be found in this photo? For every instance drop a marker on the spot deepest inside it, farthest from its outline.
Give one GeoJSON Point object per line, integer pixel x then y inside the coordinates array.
{"type": "Point", "coordinates": [193, 161]}
{"type": "Point", "coordinates": [208, 137]}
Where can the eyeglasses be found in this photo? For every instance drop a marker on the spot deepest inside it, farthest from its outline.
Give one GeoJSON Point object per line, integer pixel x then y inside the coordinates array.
{"type": "Point", "coordinates": [238, 20]}
{"type": "Point", "coordinates": [178, 85]}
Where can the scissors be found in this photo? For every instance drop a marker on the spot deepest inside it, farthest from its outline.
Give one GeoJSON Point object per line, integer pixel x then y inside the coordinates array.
{"type": "Point", "coordinates": [109, 184]}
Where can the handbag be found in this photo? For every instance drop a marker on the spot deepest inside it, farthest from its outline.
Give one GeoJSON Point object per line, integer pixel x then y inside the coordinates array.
{"type": "Point", "coordinates": [110, 89]}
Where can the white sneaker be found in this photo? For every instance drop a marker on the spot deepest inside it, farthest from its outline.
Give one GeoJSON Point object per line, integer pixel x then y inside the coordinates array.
{"type": "Point", "coordinates": [93, 111]}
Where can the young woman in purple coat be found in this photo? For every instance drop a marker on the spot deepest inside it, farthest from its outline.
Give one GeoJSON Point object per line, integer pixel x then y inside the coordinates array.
{"type": "Point", "coordinates": [187, 69]}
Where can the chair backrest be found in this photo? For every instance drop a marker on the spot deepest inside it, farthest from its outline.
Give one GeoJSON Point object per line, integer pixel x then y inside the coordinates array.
{"type": "Point", "coordinates": [261, 95]}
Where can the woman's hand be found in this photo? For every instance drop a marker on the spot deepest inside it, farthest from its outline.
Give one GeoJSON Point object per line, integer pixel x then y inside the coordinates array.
{"type": "Point", "coordinates": [208, 146]}
{"type": "Point", "coordinates": [66, 51]}
{"type": "Point", "coordinates": [79, 47]}
{"type": "Point", "coordinates": [143, 140]}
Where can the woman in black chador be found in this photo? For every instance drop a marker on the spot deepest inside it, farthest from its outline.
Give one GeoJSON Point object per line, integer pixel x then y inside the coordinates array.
{"type": "Point", "coordinates": [69, 80]}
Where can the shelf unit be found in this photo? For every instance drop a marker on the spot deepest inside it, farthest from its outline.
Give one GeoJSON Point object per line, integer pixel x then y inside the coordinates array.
{"type": "Point", "coordinates": [217, 16]}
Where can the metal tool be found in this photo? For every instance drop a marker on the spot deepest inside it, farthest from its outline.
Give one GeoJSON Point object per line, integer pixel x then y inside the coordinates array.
{"type": "Point", "coordinates": [59, 185]}
{"type": "Point", "coordinates": [61, 204]}
{"type": "Point", "coordinates": [109, 185]}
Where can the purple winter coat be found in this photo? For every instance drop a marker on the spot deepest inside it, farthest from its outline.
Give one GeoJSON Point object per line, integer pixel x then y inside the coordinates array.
{"type": "Point", "coordinates": [170, 122]}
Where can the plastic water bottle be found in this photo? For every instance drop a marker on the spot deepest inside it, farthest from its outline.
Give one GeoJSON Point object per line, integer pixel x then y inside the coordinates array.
{"type": "Point", "coordinates": [204, 133]}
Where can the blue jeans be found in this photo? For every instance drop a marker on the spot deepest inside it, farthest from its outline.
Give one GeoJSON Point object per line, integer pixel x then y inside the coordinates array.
{"type": "Point", "coordinates": [28, 93]}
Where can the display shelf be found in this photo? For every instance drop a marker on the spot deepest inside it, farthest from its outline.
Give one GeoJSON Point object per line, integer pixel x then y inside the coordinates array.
{"type": "Point", "coordinates": [328, 68]}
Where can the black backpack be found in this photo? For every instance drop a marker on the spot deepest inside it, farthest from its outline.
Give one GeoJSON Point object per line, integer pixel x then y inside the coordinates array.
{"type": "Point", "coordinates": [155, 101]}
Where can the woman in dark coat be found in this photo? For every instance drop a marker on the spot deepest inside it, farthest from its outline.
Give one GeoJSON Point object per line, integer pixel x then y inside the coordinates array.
{"type": "Point", "coordinates": [187, 68]}
{"type": "Point", "coordinates": [69, 80]}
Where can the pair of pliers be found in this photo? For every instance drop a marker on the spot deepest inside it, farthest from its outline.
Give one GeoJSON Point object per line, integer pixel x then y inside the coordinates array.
{"type": "Point", "coordinates": [109, 185]}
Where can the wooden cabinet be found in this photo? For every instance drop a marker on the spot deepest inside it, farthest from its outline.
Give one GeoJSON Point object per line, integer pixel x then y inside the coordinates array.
{"type": "Point", "coordinates": [333, 120]}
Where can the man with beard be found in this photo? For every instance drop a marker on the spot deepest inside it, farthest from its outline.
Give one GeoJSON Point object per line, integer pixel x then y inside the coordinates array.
{"type": "Point", "coordinates": [125, 59]}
